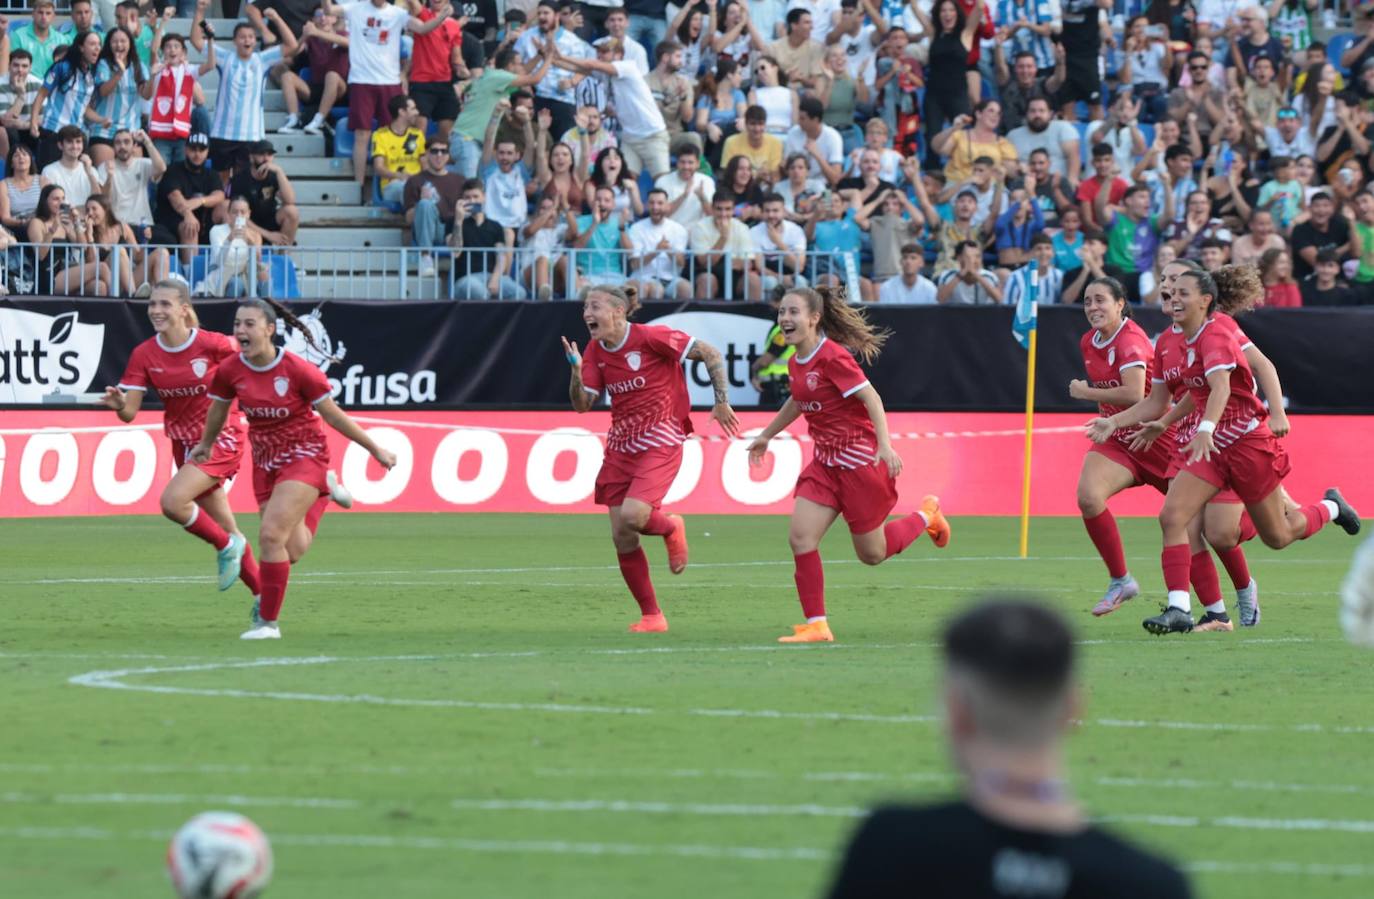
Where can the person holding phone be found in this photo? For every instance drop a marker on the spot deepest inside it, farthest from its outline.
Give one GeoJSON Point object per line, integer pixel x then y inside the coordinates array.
{"type": "Point", "coordinates": [271, 198]}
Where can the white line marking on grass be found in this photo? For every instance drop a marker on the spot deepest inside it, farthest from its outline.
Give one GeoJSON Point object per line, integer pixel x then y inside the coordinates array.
{"type": "Point", "coordinates": [1239, 822]}
{"type": "Point", "coordinates": [622, 806]}
{"type": "Point", "coordinates": [178, 799]}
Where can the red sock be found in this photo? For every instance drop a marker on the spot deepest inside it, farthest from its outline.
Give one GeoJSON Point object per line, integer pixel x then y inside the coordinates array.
{"type": "Point", "coordinates": [312, 518]}
{"type": "Point", "coordinates": [1175, 562]}
{"type": "Point", "coordinates": [1202, 571]}
{"type": "Point", "coordinates": [1236, 566]}
{"type": "Point", "coordinates": [810, 578]}
{"type": "Point", "coordinates": [274, 578]}
{"type": "Point", "coordinates": [1317, 515]}
{"type": "Point", "coordinates": [903, 532]}
{"type": "Point", "coordinates": [248, 571]}
{"type": "Point", "coordinates": [1247, 528]}
{"type": "Point", "coordinates": [207, 529]}
{"type": "Point", "coordinates": [1103, 532]}
{"type": "Point", "coordinates": [658, 525]}
{"type": "Point", "coordinates": [634, 567]}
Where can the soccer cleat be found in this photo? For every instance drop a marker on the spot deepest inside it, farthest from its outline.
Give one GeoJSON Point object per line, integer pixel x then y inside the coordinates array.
{"type": "Point", "coordinates": [338, 492]}
{"type": "Point", "coordinates": [1346, 516]}
{"type": "Point", "coordinates": [650, 624]}
{"type": "Point", "coordinates": [1119, 591]}
{"type": "Point", "coordinates": [1247, 604]}
{"type": "Point", "coordinates": [937, 526]}
{"type": "Point", "coordinates": [1214, 622]}
{"type": "Point", "coordinates": [268, 630]}
{"type": "Point", "coordinates": [676, 542]}
{"type": "Point", "coordinates": [811, 632]}
{"type": "Point", "coordinates": [230, 560]}
{"type": "Point", "coordinates": [1172, 620]}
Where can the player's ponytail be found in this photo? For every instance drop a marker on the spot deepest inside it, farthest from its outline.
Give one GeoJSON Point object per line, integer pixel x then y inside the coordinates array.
{"type": "Point", "coordinates": [843, 323]}
{"type": "Point", "coordinates": [1114, 288]}
{"type": "Point", "coordinates": [273, 310]}
{"type": "Point", "coordinates": [183, 299]}
{"type": "Point", "coordinates": [1239, 288]}
{"type": "Point", "coordinates": [626, 296]}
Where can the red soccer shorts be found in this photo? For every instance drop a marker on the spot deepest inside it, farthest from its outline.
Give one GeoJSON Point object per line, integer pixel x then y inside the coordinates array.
{"type": "Point", "coordinates": [864, 496]}
{"type": "Point", "coordinates": [1253, 467]}
{"type": "Point", "coordinates": [643, 476]}
{"type": "Point", "coordinates": [311, 470]}
{"type": "Point", "coordinates": [223, 463]}
{"type": "Point", "coordinates": [1150, 467]}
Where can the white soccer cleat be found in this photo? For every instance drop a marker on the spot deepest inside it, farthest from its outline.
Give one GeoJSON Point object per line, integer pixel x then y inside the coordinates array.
{"type": "Point", "coordinates": [338, 492]}
{"type": "Point", "coordinates": [1357, 598]}
{"type": "Point", "coordinates": [268, 630]}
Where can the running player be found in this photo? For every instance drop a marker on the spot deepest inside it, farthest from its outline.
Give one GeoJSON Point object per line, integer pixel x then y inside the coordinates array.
{"type": "Point", "coordinates": [280, 393]}
{"type": "Point", "coordinates": [640, 368]}
{"type": "Point", "coordinates": [1232, 446]}
{"type": "Point", "coordinates": [178, 362]}
{"type": "Point", "coordinates": [854, 469]}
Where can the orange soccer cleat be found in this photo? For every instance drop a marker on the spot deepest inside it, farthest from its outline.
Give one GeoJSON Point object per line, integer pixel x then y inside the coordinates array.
{"type": "Point", "coordinates": [650, 624]}
{"type": "Point", "coordinates": [937, 526]}
{"type": "Point", "coordinates": [811, 632]}
{"type": "Point", "coordinates": [676, 542]}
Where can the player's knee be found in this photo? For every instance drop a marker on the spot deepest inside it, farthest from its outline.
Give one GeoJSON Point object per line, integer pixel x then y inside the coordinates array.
{"type": "Point", "coordinates": [273, 534]}
{"type": "Point", "coordinates": [1091, 503]}
{"type": "Point", "coordinates": [801, 543]}
{"type": "Point", "coordinates": [1172, 519]}
{"type": "Point", "coordinates": [174, 507]}
{"type": "Point", "coordinates": [871, 556]}
{"type": "Point", "coordinates": [1274, 539]}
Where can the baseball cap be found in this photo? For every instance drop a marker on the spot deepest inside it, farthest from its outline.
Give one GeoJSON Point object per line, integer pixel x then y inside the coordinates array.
{"type": "Point", "coordinates": [262, 146]}
{"type": "Point", "coordinates": [198, 139]}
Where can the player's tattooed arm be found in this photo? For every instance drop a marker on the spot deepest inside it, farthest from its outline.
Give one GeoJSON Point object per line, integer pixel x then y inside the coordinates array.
{"type": "Point", "coordinates": [581, 398]}
{"type": "Point", "coordinates": [701, 351]}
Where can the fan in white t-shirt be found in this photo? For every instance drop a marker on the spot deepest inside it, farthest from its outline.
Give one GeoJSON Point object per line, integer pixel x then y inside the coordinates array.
{"type": "Point", "coordinates": [910, 288]}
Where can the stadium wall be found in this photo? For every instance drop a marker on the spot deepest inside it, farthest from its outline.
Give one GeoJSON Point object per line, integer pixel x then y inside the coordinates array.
{"type": "Point", "coordinates": [70, 462]}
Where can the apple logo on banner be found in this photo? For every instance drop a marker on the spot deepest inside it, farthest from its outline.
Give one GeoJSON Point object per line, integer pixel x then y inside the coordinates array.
{"type": "Point", "coordinates": [45, 354]}
{"type": "Point", "coordinates": [740, 339]}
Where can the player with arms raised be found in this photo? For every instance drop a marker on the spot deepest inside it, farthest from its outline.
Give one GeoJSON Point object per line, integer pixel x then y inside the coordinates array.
{"type": "Point", "coordinates": [854, 469]}
{"type": "Point", "coordinates": [640, 368]}
{"type": "Point", "coordinates": [280, 393]}
{"type": "Point", "coordinates": [178, 362]}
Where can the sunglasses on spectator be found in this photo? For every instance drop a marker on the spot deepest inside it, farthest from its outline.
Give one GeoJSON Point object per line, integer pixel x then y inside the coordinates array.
{"type": "Point", "coordinates": [1201, 68]}
{"type": "Point", "coordinates": [439, 150]}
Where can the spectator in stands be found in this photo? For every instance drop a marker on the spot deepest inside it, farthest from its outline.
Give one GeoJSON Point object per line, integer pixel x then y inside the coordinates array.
{"type": "Point", "coordinates": [235, 257]}
{"type": "Point", "coordinates": [147, 36]}
{"type": "Point", "coordinates": [1016, 228]}
{"type": "Point", "coordinates": [429, 200]}
{"type": "Point", "coordinates": [841, 95]}
{"type": "Point", "coordinates": [1262, 96]}
{"type": "Point", "coordinates": [1362, 246]}
{"type": "Point", "coordinates": [73, 172]}
{"type": "Point", "coordinates": [294, 14]}
{"type": "Point", "coordinates": [674, 94]}
{"type": "Point", "coordinates": [802, 59]}
{"type": "Point", "coordinates": [1187, 235]}
{"type": "Point", "coordinates": [1052, 192]}
{"type": "Point", "coordinates": [720, 107]}
{"type": "Point", "coordinates": [554, 172]}
{"type": "Point", "coordinates": [727, 264]}
{"type": "Point", "coordinates": [1068, 242]}
{"type": "Point", "coordinates": [274, 215]}
{"type": "Point", "coordinates": [738, 39]}
{"type": "Point", "coordinates": [17, 94]}
{"type": "Point", "coordinates": [119, 77]}
{"type": "Point", "coordinates": [326, 51]}
{"type": "Point", "coordinates": [1276, 271]}
{"type": "Point", "coordinates": [20, 190]}
{"type": "Point", "coordinates": [1252, 44]}
{"type": "Point", "coordinates": [693, 29]}
{"type": "Point", "coordinates": [648, 22]}
{"type": "Point", "coordinates": [1146, 66]}
{"type": "Point", "coordinates": [1105, 172]}
{"type": "Point", "coordinates": [1050, 280]}
{"type": "Point", "coordinates": [82, 14]}
{"type": "Point", "coordinates": [66, 265]}
{"type": "Point", "coordinates": [1324, 230]}
{"type": "Point", "coordinates": [763, 150]}
{"type": "Point", "coordinates": [910, 287]}
{"type": "Point", "coordinates": [127, 180]}
{"type": "Point", "coordinates": [689, 191]}
{"type": "Point", "coordinates": [1056, 138]}
{"type": "Point", "coordinates": [951, 232]}
{"type": "Point", "coordinates": [1200, 103]}
{"type": "Point", "coordinates": [555, 90]}
{"type": "Point", "coordinates": [39, 39]}
{"type": "Point", "coordinates": [481, 270]}
{"type": "Point", "coordinates": [859, 32]}
{"type": "Point", "coordinates": [115, 246]}
{"type": "Point", "coordinates": [798, 189]}
{"type": "Point", "coordinates": [587, 139]}
{"type": "Point", "coordinates": [738, 178]}
{"type": "Point", "coordinates": [517, 127]}
{"type": "Point", "coordinates": [600, 242]}
{"type": "Point", "coordinates": [1121, 130]}
{"type": "Point", "coordinates": [659, 250]}
{"type": "Point", "coordinates": [1325, 286]}
{"type": "Point", "coordinates": [1093, 259]}
{"type": "Point", "coordinates": [187, 197]}
{"type": "Point", "coordinates": [374, 67]}
{"type": "Point", "coordinates": [817, 141]}
{"type": "Point", "coordinates": [1178, 162]}
{"type": "Point", "coordinates": [545, 237]}
{"type": "Point", "coordinates": [433, 60]}
{"type": "Point", "coordinates": [988, 186]}
{"type": "Point", "coordinates": [1283, 194]}
{"type": "Point", "coordinates": [893, 167]}
{"type": "Point", "coordinates": [503, 77]}
{"type": "Point", "coordinates": [506, 176]}
{"type": "Point", "coordinates": [968, 283]}
{"type": "Point", "coordinates": [177, 107]}
{"type": "Point", "coordinates": [953, 37]}
{"type": "Point", "coordinates": [969, 138]}
{"type": "Point", "coordinates": [835, 238]}
{"type": "Point", "coordinates": [781, 245]}
{"type": "Point", "coordinates": [771, 93]}
{"type": "Point", "coordinates": [866, 186]}
{"type": "Point", "coordinates": [896, 77]}
{"type": "Point", "coordinates": [609, 171]}
{"type": "Point", "coordinates": [1260, 237]}
{"type": "Point", "coordinates": [1212, 255]}
{"type": "Point", "coordinates": [62, 100]}
{"type": "Point", "coordinates": [1288, 138]}
{"type": "Point", "coordinates": [892, 222]}
{"type": "Point", "coordinates": [397, 148]}
{"type": "Point", "coordinates": [632, 51]}
{"type": "Point", "coordinates": [1132, 234]}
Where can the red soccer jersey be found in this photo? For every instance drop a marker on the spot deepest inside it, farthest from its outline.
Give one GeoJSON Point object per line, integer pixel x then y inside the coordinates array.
{"type": "Point", "coordinates": [1187, 426]}
{"type": "Point", "coordinates": [823, 387]}
{"type": "Point", "coordinates": [1106, 362]}
{"type": "Point", "coordinates": [279, 400]}
{"type": "Point", "coordinates": [181, 376]}
{"type": "Point", "coordinates": [1186, 363]}
{"type": "Point", "coordinates": [648, 389]}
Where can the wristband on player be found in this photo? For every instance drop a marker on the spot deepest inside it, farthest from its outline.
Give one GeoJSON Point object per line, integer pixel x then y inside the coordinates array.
{"type": "Point", "coordinates": [573, 359]}
{"type": "Point", "coordinates": [1206, 427]}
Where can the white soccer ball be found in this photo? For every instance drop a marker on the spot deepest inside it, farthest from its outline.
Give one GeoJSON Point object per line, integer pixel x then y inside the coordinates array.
{"type": "Point", "coordinates": [219, 855]}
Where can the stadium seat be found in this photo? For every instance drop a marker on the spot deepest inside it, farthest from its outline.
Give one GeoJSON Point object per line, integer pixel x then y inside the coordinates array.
{"type": "Point", "coordinates": [1149, 131]}
{"type": "Point", "coordinates": [283, 276]}
{"type": "Point", "coordinates": [343, 138]}
{"type": "Point", "coordinates": [1338, 44]}
{"type": "Point", "coordinates": [377, 197]}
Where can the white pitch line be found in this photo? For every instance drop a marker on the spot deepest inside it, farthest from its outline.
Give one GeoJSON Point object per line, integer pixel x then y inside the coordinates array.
{"type": "Point", "coordinates": [179, 799]}
{"type": "Point", "coordinates": [1240, 822]}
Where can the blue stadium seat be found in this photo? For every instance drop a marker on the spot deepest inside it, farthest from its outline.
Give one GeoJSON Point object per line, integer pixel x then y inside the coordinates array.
{"type": "Point", "coordinates": [1338, 44]}
{"type": "Point", "coordinates": [283, 276]}
{"type": "Point", "coordinates": [646, 184]}
{"type": "Point", "coordinates": [1149, 131]}
{"type": "Point", "coordinates": [343, 138]}
{"type": "Point", "coordinates": [377, 197]}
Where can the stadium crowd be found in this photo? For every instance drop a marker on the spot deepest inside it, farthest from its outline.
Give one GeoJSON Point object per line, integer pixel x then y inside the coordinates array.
{"type": "Point", "coordinates": [915, 152]}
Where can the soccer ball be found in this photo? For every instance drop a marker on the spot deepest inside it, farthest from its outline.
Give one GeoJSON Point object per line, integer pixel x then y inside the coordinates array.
{"type": "Point", "coordinates": [219, 855]}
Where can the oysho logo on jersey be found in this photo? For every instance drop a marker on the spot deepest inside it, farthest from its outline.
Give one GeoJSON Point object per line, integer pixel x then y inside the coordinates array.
{"type": "Point", "coordinates": [279, 384]}
{"type": "Point", "coordinates": [199, 367]}
{"type": "Point", "coordinates": [41, 355]}
{"type": "Point", "coordinates": [357, 387]}
{"type": "Point", "coordinates": [633, 360]}
{"type": "Point", "coordinates": [626, 386]}
{"type": "Point", "coordinates": [808, 405]}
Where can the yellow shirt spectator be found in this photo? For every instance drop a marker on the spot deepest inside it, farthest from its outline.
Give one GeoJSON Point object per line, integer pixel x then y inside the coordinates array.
{"type": "Point", "coordinates": [401, 152]}
{"type": "Point", "coordinates": [766, 158]}
{"type": "Point", "coordinates": [963, 149]}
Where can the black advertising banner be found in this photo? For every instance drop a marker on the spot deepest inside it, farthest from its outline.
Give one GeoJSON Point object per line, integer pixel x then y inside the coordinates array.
{"type": "Point", "coordinates": [437, 355]}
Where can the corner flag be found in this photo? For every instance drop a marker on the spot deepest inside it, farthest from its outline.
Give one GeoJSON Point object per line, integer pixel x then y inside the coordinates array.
{"type": "Point", "coordinates": [1026, 308]}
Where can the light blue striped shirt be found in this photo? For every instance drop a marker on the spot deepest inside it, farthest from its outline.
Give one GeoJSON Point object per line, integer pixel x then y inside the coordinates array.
{"type": "Point", "coordinates": [69, 92]}
{"type": "Point", "coordinates": [1037, 12]}
{"type": "Point", "coordinates": [570, 45]}
{"type": "Point", "coordinates": [239, 103]}
{"type": "Point", "coordinates": [1051, 286]}
{"type": "Point", "coordinates": [123, 107]}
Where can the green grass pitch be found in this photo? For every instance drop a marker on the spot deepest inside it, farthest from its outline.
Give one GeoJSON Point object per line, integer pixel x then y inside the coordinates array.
{"type": "Point", "coordinates": [457, 710]}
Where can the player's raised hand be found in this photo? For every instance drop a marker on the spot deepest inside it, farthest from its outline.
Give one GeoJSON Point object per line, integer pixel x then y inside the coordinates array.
{"type": "Point", "coordinates": [726, 418]}
{"type": "Point", "coordinates": [1148, 433]}
{"type": "Point", "coordinates": [1099, 430]}
{"type": "Point", "coordinates": [114, 398]}
{"type": "Point", "coordinates": [570, 352]}
{"type": "Point", "coordinates": [757, 450]}
{"type": "Point", "coordinates": [1078, 389]}
{"type": "Point", "coordinates": [385, 458]}
{"type": "Point", "coordinates": [888, 456]}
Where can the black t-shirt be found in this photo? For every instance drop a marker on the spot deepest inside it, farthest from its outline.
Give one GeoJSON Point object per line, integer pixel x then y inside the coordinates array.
{"type": "Point", "coordinates": [481, 16]}
{"type": "Point", "coordinates": [295, 13]}
{"type": "Point", "coordinates": [1340, 295]}
{"type": "Point", "coordinates": [1337, 234]}
{"type": "Point", "coordinates": [954, 851]}
{"type": "Point", "coordinates": [478, 237]}
{"type": "Point", "coordinates": [654, 9]}
{"type": "Point", "coordinates": [191, 182]}
{"type": "Point", "coordinates": [261, 195]}
{"type": "Point", "coordinates": [474, 55]}
{"type": "Point", "coordinates": [857, 183]}
{"type": "Point", "coordinates": [1080, 36]}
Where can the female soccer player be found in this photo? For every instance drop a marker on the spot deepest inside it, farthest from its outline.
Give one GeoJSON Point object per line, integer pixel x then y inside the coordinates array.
{"type": "Point", "coordinates": [178, 362]}
{"type": "Point", "coordinates": [1117, 354]}
{"type": "Point", "coordinates": [854, 469]}
{"type": "Point", "coordinates": [640, 369]}
{"type": "Point", "coordinates": [280, 393]}
{"type": "Point", "coordinates": [1232, 447]}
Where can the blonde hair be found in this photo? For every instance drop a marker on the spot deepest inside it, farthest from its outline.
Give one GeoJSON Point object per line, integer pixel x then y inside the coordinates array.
{"type": "Point", "coordinates": [626, 297]}
{"type": "Point", "coordinates": [843, 323]}
{"type": "Point", "coordinates": [1239, 288]}
{"type": "Point", "coordinates": [183, 298]}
